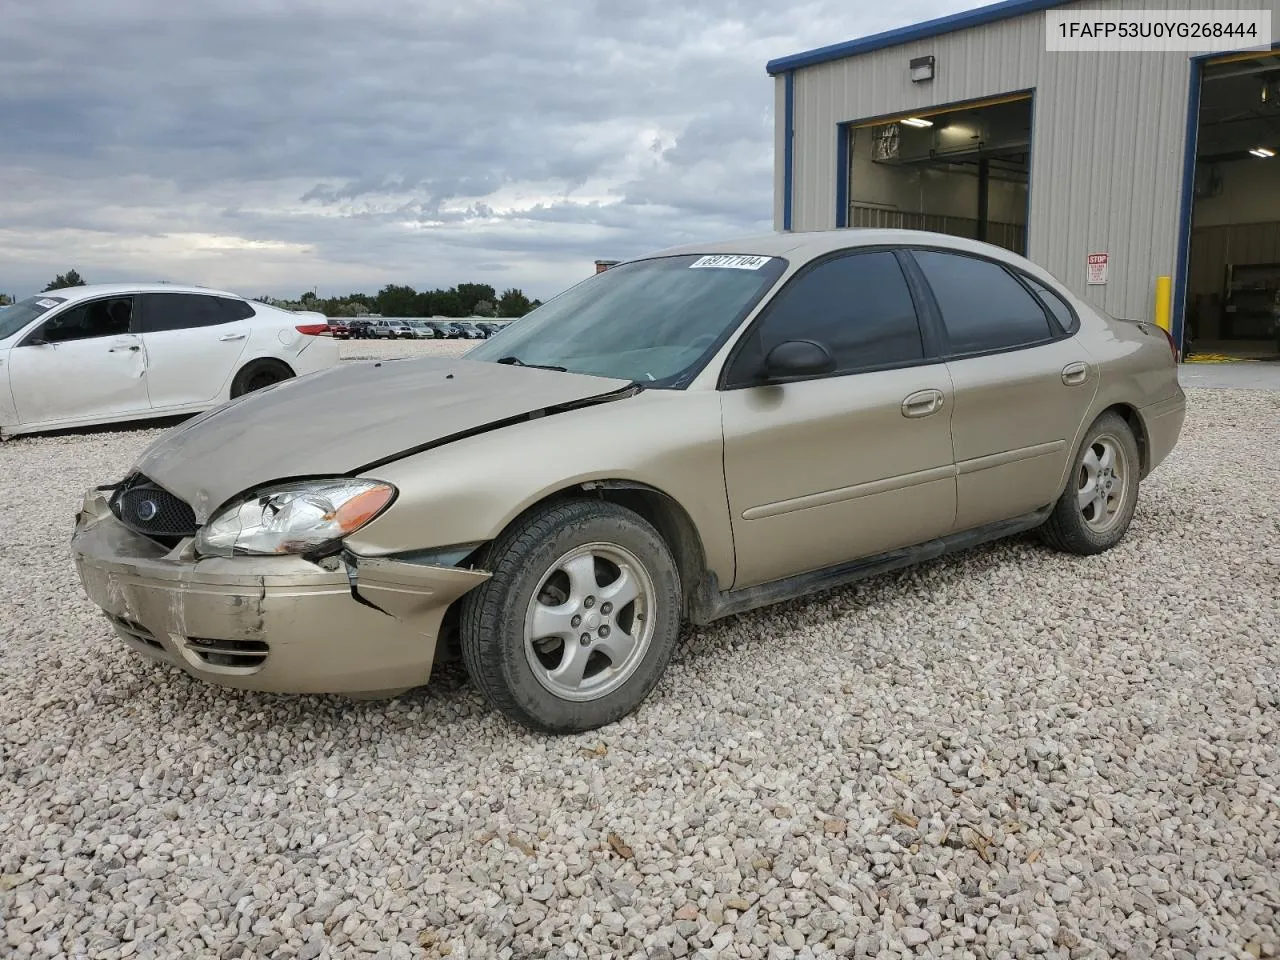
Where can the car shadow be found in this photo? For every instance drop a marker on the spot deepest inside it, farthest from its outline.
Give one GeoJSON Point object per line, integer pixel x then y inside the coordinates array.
{"type": "Point", "coordinates": [129, 426]}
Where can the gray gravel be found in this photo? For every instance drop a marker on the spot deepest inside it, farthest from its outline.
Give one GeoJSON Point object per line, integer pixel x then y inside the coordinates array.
{"type": "Point", "coordinates": [1000, 754]}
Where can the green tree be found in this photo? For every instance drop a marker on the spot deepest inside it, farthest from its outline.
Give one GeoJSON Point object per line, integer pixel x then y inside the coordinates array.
{"type": "Point", "coordinates": [62, 280]}
{"type": "Point", "coordinates": [514, 303]}
{"type": "Point", "coordinates": [485, 308]}
{"type": "Point", "coordinates": [472, 293]}
{"type": "Point", "coordinates": [447, 303]}
{"type": "Point", "coordinates": [395, 301]}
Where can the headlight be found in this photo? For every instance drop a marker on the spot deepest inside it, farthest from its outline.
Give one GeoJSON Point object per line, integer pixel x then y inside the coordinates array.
{"type": "Point", "coordinates": [294, 518]}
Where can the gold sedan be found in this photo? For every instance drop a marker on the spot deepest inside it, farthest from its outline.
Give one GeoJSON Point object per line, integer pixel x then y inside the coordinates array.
{"type": "Point", "coordinates": [684, 436]}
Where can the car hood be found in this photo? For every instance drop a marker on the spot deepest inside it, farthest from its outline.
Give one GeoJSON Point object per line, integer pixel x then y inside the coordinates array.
{"type": "Point", "coordinates": [351, 418]}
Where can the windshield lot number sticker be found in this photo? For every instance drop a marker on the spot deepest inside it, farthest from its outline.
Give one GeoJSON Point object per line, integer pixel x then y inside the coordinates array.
{"type": "Point", "coordinates": [730, 261]}
{"type": "Point", "coordinates": [46, 303]}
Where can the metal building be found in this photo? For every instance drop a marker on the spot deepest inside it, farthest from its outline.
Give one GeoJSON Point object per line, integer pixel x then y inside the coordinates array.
{"type": "Point", "coordinates": [1110, 169]}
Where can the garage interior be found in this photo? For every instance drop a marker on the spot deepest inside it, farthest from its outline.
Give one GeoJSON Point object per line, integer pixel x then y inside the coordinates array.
{"type": "Point", "coordinates": [962, 171]}
{"type": "Point", "coordinates": [1233, 280]}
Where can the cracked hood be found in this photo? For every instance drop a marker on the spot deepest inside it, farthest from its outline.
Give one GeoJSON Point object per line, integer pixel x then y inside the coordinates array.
{"type": "Point", "coordinates": [350, 417]}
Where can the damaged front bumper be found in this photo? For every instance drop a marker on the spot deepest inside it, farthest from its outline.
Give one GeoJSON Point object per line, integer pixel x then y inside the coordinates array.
{"type": "Point", "coordinates": [356, 625]}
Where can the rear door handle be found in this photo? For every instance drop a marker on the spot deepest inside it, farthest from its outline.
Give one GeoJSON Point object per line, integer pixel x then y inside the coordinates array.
{"type": "Point", "coordinates": [118, 347]}
{"type": "Point", "coordinates": [233, 336]}
{"type": "Point", "coordinates": [1074, 374]}
{"type": "Point", "coordinates": [922, 403]}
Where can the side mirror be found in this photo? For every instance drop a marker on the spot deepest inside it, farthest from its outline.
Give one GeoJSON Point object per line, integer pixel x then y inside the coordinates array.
{"type": "Point", "coordinates": [797, 359]}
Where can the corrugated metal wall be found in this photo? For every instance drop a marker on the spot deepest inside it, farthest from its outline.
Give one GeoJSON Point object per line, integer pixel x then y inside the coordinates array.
{"type": "Point", "coordinates": [1107, 140]}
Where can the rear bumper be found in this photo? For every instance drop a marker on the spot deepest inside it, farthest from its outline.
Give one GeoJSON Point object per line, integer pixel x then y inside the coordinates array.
{"type": "Point", "coordinates": [280, 624]}
{"type": "Point", "coordinates": [1163, 422]}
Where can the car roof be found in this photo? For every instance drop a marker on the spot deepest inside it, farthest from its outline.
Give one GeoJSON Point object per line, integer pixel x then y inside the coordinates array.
{"type": "Point", "coordinates": [108, 289]}
{"type": "Point", "coordinates": [800, 246]}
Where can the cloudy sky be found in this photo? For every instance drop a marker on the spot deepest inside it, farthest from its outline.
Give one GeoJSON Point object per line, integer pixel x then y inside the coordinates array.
{"type": "Point", "coordinates": [272, 146]}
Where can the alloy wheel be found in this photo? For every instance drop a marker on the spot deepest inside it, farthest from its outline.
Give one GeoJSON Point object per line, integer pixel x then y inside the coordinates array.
{"type": "Point", "coordinates": [1102, 483]}
{"type": "Point", "coordinates": [590, 622]}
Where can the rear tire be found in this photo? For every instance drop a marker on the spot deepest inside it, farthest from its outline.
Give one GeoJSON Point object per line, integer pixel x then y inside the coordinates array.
{"type": "Point", "coordinates": [1094, 512]}
{"type": "Point", "coordinates": [258, 374]}
{"type": "Point", "coordinates": [522, 631]}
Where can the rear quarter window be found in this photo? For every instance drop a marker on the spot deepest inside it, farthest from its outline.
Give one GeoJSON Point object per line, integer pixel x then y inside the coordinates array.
{"type": "Point", "coordinates": [1063, 315]}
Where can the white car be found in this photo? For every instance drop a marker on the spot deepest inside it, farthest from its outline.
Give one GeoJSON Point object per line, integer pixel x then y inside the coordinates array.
{"type": "Point", "coordinates": [97, 354]}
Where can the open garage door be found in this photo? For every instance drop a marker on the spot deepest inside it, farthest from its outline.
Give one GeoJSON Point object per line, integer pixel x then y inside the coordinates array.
{"type": "Point", "coordinates": [1233, 279]}
{"type": "Point", "coordinates": [960, 170]}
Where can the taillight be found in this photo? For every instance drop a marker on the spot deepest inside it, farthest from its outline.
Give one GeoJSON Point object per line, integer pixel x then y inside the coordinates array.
{"type": "Point", "coordinates": [312, 329]}
{"type": "Point", "coordinates": [1173, 346]}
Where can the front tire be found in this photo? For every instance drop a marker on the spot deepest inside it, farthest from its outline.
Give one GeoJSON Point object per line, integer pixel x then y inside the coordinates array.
{"type": "Point", "coordinates": [579, 620]}
{"type": "Point", "coordinates": [1094, 512]}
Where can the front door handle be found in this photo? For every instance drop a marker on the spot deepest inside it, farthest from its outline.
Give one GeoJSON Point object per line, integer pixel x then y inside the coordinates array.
{"type": "Point", "coordinates": [922, 403]}
{"type": "Point", "coordinates": [132, 347]}
{"type": "Point", "coordinates": [233, 336]}
{"type": "Point", "coordinates": [1074, 374]}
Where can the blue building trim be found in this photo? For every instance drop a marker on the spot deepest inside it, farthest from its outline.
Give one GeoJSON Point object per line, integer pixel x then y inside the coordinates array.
{"type": "Point", "coordinates": [842, 174]}
{"type": "Point", "coordinates": [788, 148]}
{"type": "Point", "coordinates": [1183, 265]}
{"type": "Point", "coordinates": [917, 31]}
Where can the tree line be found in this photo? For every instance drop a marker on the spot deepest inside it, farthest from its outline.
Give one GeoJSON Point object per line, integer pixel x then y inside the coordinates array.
{"type": "Point", "coordinates": [396, 300]}
{"type": "Point", "coordinates": [393, 300]}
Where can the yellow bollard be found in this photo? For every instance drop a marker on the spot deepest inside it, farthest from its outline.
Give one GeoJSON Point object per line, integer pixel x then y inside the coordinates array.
{"type": "Point", "coordinates": [1164, 303]}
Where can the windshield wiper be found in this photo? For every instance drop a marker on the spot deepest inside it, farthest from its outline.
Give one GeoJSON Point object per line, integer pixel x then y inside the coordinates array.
{"type": "Point", "coordinates": [514, 361]}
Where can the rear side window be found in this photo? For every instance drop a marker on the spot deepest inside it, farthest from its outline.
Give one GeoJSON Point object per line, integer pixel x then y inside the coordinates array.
{"type": "Point", "coordinates": [234, 309]}
{"type": "Point", "coordinates": [183, 311]}
{"type": "Point", "coordinates": [983, 307]}
{"type": "Point", "coordinates": [857, 306]}
{"type": "Point", "coordinates": [1057, 306]}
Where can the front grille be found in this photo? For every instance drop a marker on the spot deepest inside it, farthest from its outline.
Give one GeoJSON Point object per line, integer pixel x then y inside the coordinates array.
{"type": "Point", "coordinates": [149, 509]}
{"type": "Point", "coordinates": [248, 654]}
{"type": "Point", "coordinates": [135, 631]}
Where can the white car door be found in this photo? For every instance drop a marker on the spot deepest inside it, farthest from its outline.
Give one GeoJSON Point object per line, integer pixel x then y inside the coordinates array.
{"type": "Point", "coordinates": [193, 342]}
{"type": "Point", "coordinates": [85, 362]}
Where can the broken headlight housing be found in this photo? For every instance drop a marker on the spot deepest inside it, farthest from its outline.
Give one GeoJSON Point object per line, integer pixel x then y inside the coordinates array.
{"type": "Point", "coordinates": [307, 517]}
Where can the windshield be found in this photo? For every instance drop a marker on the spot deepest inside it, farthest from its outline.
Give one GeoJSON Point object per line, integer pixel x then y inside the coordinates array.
{"type": "Point", "coordinates": [17, 315]}
{"type": "Point", "coordinates": [653, 321]}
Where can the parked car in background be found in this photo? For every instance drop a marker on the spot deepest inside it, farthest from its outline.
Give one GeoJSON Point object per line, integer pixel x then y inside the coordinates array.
{"type": "Point", "coordinates": [734, 425]}
{"type": "Point", "coordinates": [471, 330]}
{"type": "Point", "coordinates": [392, 329]}
{"type": "Point", "coordinates": [420, 329]}
{"type": "Point", "coordinates": [360, 329]}
{"type": "Point", "coordinates": [98, 354]}
{"type": "Point", "coordinates": [488, 328]}
{"type": "Point", "coordinates": [340, 329]}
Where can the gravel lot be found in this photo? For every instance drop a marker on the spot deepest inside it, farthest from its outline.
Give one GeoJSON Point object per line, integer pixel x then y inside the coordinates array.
{"type": "Point", "coordinates": [1005, 753]}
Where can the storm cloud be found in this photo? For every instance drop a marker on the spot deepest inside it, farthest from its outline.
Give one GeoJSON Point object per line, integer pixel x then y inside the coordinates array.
{"type": "Point", "coordinates": [279, 145]}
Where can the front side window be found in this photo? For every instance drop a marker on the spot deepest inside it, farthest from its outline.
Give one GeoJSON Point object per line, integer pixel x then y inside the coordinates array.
{"type": "Point", "coordinates": [17, 315]}
{"type": "Point", "coordinates": [983, 306]}
{"type": "Point", "coordinates": [654, 321]}
{"type": "Point", "coordinates": [858, 306]}
{"type": "Point", "coordinates": [182, 311]}
{"type": "Point", "coordinates": [110, 317]}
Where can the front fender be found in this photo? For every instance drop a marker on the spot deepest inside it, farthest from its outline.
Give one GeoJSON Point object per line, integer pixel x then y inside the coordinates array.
{"type": "Point", "coordinates": [470, 490]}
